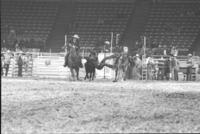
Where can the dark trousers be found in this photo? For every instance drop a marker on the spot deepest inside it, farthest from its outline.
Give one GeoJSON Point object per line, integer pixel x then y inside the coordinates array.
{"type": "Point", "coordinates": [1, 71]}
{"type": "Point", "coordinates": [66, 59]}
{"type": "Point", "coordinates": [189, 73]}
{"type": "Point", "coordinates": [7, 68]}
{"type": "Point", "coordinates": [19, 70]}
{"type": "Point", "coordinates": [166, 73]}
{"type": "Point", "coordinates": [176, 74]}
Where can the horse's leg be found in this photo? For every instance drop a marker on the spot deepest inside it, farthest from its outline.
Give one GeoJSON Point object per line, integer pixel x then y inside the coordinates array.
{"type": "Point", "coordinates": [86, 76]}
{"type": "Point", "coordinates": [108, 65]}
{"type": "Point", "coordinates": [124, 73]}
{"type": "Point", "coordinates": [109, 57]}
{"type": "Point", "coordinates": [126, 70]}
{"type": "Point", "coordinates": [102, 63]}
{"type": "Point", "coordinates": [99, 67]}
{"type": "Point", "coordinates": [120, 74]}
{"type": "Point", "coordinates": [90, 77]}
{"type": "Point", "coordinates": [93, 73]}
{"type": "Point", "coordinates": [77, 73]}
{"type": "Point", "coordinates": [116, 75]}
{"type": "Point", "coordinates": [72, 73]}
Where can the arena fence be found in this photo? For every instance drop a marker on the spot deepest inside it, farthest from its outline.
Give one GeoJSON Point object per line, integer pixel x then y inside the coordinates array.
{"type": "Point", "coordinates": [50, 65]}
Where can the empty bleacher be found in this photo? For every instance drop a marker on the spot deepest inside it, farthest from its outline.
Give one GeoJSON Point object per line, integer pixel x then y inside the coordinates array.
{"type": "Point", "coordinates": [174, 24]}
{"type": "Point", "coordinates": [93, 20]}
{"type": "Point", "coordinates": [30, 19]}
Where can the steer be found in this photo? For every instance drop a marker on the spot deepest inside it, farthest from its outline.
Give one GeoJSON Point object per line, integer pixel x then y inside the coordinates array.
{"type": "Point", "coordinates": [89, 69]}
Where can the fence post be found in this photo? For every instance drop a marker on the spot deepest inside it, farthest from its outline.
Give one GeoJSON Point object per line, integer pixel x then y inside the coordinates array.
{"type": "Point", "coordinates": [111, 42]}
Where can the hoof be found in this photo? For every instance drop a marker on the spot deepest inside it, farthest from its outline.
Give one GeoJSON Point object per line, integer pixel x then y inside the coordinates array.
{"type": "Point", "coordinates": [79, 79]}
{"type": "Point", "coordinates": [71, 79]}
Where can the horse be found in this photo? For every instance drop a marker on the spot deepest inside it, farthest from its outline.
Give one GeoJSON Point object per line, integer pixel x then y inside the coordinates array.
{"type": "Point", "coordinates": [74, 60]}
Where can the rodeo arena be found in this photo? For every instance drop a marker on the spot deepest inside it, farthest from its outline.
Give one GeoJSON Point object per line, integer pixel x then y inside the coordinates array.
{"type": "Point", "coordinates": [100, 66]}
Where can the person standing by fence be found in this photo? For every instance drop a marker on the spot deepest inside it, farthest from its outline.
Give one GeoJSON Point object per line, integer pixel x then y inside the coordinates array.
{"type": "Point", "coordinates": [138, 67]}
{"type": "Point", "coordinates": [189, 67]}
{"type": "Point", "coordinates": [167, 68]}
{"type": "Point", "coordinates": [20, 64]}
{"type": "Point", "coordinates": [7, 61]}
{"type": "Point", "coordinates": [174, 68]}
{"type": "Point", "coordinates": [150, 68]}
{"type": "Point", "coordinates": [2, 63]}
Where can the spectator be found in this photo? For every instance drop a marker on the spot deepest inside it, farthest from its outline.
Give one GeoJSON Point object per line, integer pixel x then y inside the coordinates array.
{"type": "Point", "coordinates": [17, 48]}
{"type": "Point", "coordinates": [198, 69]}
{"type": "Point", "coordinates": [189, 67]}
{"type": "Point", "coordinates": [150, 67]}
{"type": "Point", "coordinates": [174, 51]}
{"type": "Point", "coordinates": [2, 63]}
{"type": "Point", "coordinates": [20, 64]}
{"type": "Point", "coordinates": [21, 44]}
{"type": "Point", "coordinates": [154, 44]}
{"type": "Point", "coordinates": [107, 46]}
{"type": "Point", "coordinates": [138, 66]}
{"type": "Point", "coordinates": [7, 61]}
{"type": "Point", "coordinates": [167, 68]}
{"type": "Point", "coordinates": [26, 61]}
{"type": "Point", "coordinates": [174, 68]}
{"type": "Point", "coordinates": [3, 43]}
{"type": "Point", "coordinates": [159, 50]}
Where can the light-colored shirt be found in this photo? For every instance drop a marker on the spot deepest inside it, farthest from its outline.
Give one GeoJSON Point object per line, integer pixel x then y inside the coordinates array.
{"type": "Point", "coordinates": [190, 62]}
{"type": "Point", "coordinates": [149, 60]}
{"type": "Point", "coordinates": [7, 58]}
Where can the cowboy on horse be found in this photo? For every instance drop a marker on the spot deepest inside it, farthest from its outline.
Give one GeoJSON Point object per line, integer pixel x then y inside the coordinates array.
{"type": "Point", "coordinates": [73, 43]}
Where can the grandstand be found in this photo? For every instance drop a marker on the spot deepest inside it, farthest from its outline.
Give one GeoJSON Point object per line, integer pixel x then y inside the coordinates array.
{"type": "Point", "coordinates": [46, 22]}
{"type": "Point", "coordinates": [31, 20]}
{"type": "Point", "coordinates": [174, 24]}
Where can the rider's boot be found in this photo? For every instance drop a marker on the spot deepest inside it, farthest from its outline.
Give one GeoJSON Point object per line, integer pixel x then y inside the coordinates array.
{"type": "Point", "coordinates": [66, 61]}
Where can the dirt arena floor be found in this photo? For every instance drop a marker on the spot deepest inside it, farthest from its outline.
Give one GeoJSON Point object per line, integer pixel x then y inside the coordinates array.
{"type": "Point", "coordinates": [56, 106]}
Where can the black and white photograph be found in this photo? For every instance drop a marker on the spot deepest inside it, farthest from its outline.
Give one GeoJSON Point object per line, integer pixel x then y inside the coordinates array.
{"type": "Point", "coordinates": [100, 66]}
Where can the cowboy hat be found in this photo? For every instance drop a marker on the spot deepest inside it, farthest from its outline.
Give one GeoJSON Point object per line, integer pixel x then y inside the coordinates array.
{"type": "Point", "coordinates": [107, 42]}
{"type": "Point", "coordinates": [76, 36]}
{"type": "Point", "coordinates": [190, 55]}
{"type": "Point", "coordinates": [137, 55]}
